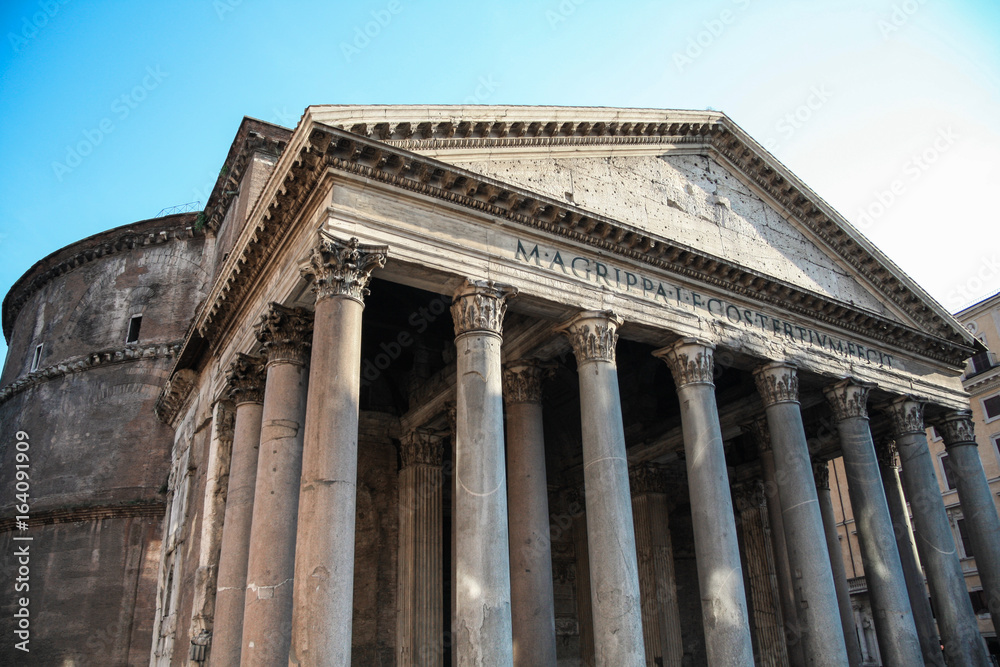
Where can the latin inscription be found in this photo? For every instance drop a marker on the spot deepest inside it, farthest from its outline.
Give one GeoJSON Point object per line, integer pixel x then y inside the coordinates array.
{"type": "Point", "coordinates": [605, 274]}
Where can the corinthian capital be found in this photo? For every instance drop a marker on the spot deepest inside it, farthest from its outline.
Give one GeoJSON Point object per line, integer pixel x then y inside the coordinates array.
{"type": "Point", "coordinates": [245, 379]}
{"type": "Point", "coordinates": [690, 360]}
{"type": "Point", "coordinates": [749, 495]}
{"type": "Point", "coordinates": [777, 383]}
{"type": "Point", "coordinates": [907, 416]}
{"type": "Point", "coordinates": [887, 453]}
{"type": "Point", "coordinates": [422, 447]}
{"type": "Point", "coordinates": [957, 428]}
{"type": "Point", "coordinates": [479, 306]}
{"type": "Point", "coordinates": [760, 433]}
{"type": "Point", "coordinates": [821, 474]}
{"type": "Point", "coordinates": [285, 334]}
{"type": "Point", "coordinates": [342, 268]}
{"type": "Point", "coordinates": [522, 381]}
{"type": "Point", "coordinates": [593, 335]}
{"type": "Point", "coordinates": [848, 399]}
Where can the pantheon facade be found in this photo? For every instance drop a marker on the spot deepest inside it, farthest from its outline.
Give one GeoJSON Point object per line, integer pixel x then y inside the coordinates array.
{"type": "Point", "coordinates": [430, 385]}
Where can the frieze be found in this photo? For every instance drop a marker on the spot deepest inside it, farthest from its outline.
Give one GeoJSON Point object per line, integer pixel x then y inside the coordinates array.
{"type": "Point", "coordinates": [593, 335]}
{"type": "Point", "coordinates": [957, 428]}
{"type": "Point", "coordinates": [605, 274]}
{"type": "Point", "coordinates": [777, 383]}
{"type": "Point", "coordinates": [285, 334]}
{"type": "Point", "coordinates": [690, 361]}
{"type": "Point", "coordinates": [479, 306]}
{"type": "Point", "coordinates": [245, 379]}
{"type": "Point", "coordinates": [342, 268]}
{"type": "Point", "coordinates": [848, 399]}
{"type": "Point", "coordinates": [907, 416]}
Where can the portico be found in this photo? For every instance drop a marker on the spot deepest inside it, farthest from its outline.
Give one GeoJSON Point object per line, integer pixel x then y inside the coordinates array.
{"type": "Point", "coordinates": [575, 343]}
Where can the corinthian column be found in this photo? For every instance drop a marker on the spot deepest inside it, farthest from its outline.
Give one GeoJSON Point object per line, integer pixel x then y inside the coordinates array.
{"type": "Point", "coordinates": [956, 619]}
{"type": "Point", "coordinates": [978, 505]}
{"type": "Point", "coordinates": [808, 558]}
{"type": "Point", "coordinates": [614, 575]}
{"type": "Point", "coordinates": [751, 503]}
{"type": "Point", "coordinates": [324, 558]}
{"type": "Point", "coordinates": [246, 389]}
{"type": "Point", "coordinates": [482, 621]}
{"type": "Point", "coordinates": [531, 595]}
{"type": "Point", "coordinates": [285, 334]}
{"type": "Point", "coordinates": [661, 622]}
{"type": "Point", "coordinates": [927, 633]}
{"type": "Point", "coordinates": [898, 642]}
{"type": "Point", "coordinates": [420, 638]}
{"type": "Point", "coordinates": [720, 575]}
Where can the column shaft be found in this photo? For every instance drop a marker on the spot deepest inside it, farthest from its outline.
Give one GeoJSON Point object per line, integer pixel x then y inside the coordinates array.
{"type": "Point", "coordinates": [978, 504]}
{"type": "Point", "coordinates": [531, 593]}
{"type": "Point", "coordinates": [614, 575]}
{"type": "Point", "coordinates": [324, 547]}
{"type": "Point", "coordinates": [661, 623]}
{"type": "Point", "coordinates": [483, 630]}
{"type": "Point", "coordinates": [246, 379]}
{"type": "Point", "coordinates": [956, 619]}
{"type": "Point", "coordinates": [895, 629]}
{"type": "Point", "coordinates": [420, 637]}
{"type": "Point", "coordinates": [822, 474]}
{"type": "Point", "coordinates": [923, 618]}
{"type": "Point", "coordinates": [808, 556]}
{"type": "Point", "coordinates": [720, 574]}
{"type": "Point", "coordinates": [267, 619]}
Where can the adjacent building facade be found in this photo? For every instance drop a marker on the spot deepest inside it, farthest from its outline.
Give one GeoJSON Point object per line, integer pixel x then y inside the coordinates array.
{"type": "Point", "coordinates": [982, 381]}
{"type": "Point", "coordinates": [486, 386]}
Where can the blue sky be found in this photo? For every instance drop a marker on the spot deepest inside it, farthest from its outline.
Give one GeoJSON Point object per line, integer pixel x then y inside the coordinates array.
{"type": "Point", "coordinates": [890, 110]}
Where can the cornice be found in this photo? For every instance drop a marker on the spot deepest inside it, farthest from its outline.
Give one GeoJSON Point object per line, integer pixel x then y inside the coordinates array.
{"type": "Point", "coordinates": [329, 150]}
{"type": "Point", "coordinates": [983, 382]}
{"type": "Point", "coordinates": [174, 394]}
{"type": "Point", "coordinates": [155, 231]}
{"type": "Point", "coordinates": [88, 362]}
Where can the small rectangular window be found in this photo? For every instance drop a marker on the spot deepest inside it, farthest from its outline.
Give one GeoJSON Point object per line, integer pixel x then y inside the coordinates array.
{"type": "Point", "coordinates": [133, 329]}
{"type": "Point", "coordinates": [949, 475]}
{"type": "Point", "coordinates": [991, 406]}
{"type": "Point", "coordinates": [36, 358]}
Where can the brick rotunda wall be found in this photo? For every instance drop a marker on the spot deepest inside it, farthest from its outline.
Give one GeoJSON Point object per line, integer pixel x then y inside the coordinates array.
{"type": "Point", "coordinates": [99, 458]}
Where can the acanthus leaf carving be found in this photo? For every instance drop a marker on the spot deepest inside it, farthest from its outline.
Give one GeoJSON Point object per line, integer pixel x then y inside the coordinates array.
{"type": "Point", "coordinates": [594, 335]}
{"type": "Point", "coordinates": [480, 306]}
{"type": "Point", "coordinates": [285, 333]}
{"type": "Point", "coordinates": [690, 361]}
{"type": "Point", "coordinates": [848, 399]}
{"type": "Point", "coordinates": [422, 447]}
{"type": "Point", "coordinates": [957, 428]}
{"type": "Point", "coordinates": [777, 383]}
{"type": "Point", "coordinates": [522, 381]}
{"type": "Point", "coordinates": [907, 416]}
{"type": "Point", "coordinates": [342, 268]}
{"type": "Point", "coordinates": [245, 379]}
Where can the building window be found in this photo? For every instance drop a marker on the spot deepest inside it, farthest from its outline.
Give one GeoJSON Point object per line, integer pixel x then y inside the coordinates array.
{"type": "Point", "coordinates": [991, 407]}
{"type": "Point", "coordinates": [133, 329]}
{"type": "Point", "coordinates": [964, 535]}
{"type": "Point", "coordinates": [979, 602]}
{"type": "Point", "coordinates": [37, 357]}
{"type": "Point", "coordinates": [949, 475]}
